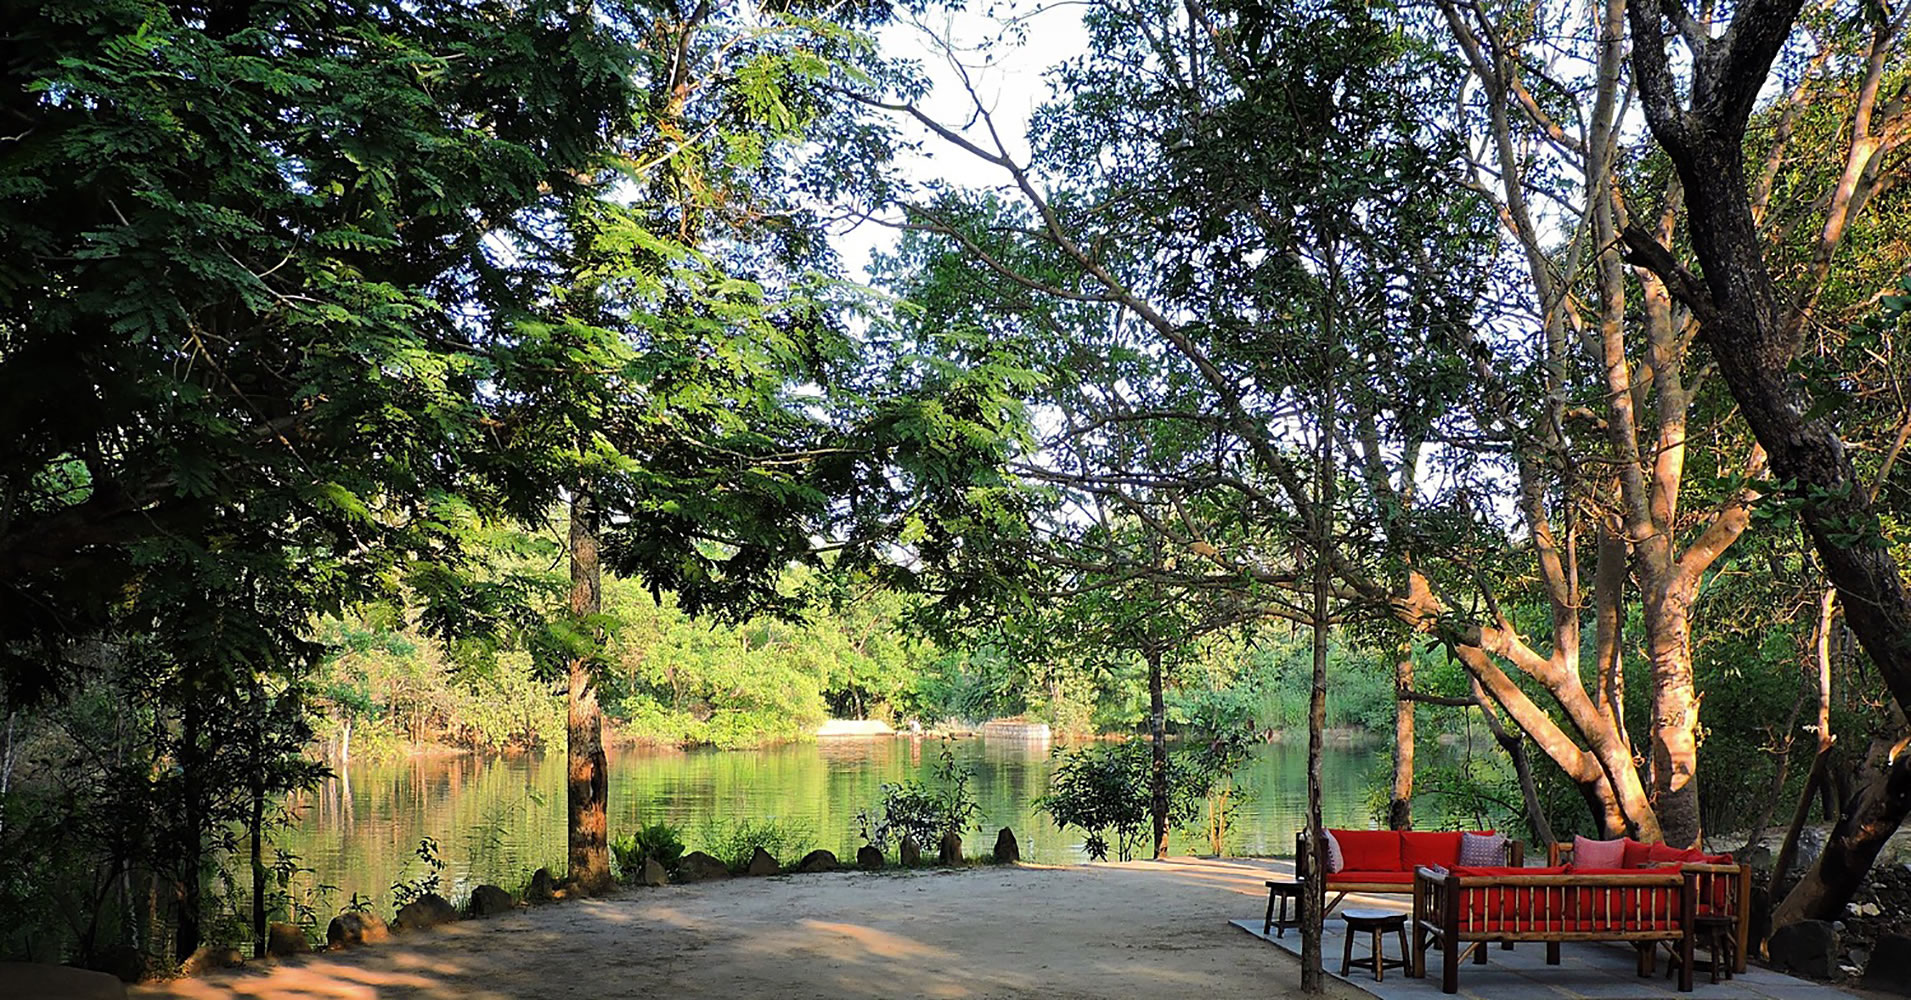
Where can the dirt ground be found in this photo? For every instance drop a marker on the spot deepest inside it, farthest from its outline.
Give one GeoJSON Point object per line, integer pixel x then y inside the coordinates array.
{"type": "Point", "coordinates": [1147, 929]}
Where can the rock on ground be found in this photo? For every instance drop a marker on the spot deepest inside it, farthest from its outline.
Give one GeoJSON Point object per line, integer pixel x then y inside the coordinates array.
{"type": "Point", "coordinates": [348, 929]}
{"type": "Point", "coordinates": [653, 874]}
{"type": "Point", "coordinates": [428, 910]}
{"type": "Point", "coordinates": [284, 940]}
{"type": "Point", "coordinates": [950, 851]}
{"type": "Point", "coordinates": [1806, 948]}
{"type": "Point", "coordinates": [1007, 851]}
{"type": "Point", "coordinates": [761, 863]}
{"type": "Point", "coordinates": [543, 887]}
{"type": "Point", "coordinates": [911, 855]}
{"type": "Point", "coordinates": [818, 861]}
{"type": "Point", "coordinates": [33, 981]}
{"type": "Point", "coordinates": [868, 858]}
{"type": "Point", "coordinates": [489, 901]}
{"type": "Point", "coordinates": [1889, 969]}
{"type": "Point", "coordinates": [700, 867]}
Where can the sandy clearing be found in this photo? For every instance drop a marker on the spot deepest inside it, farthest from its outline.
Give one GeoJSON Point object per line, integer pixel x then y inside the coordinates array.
{"type": "Point", "coordinates": [1147, 929]}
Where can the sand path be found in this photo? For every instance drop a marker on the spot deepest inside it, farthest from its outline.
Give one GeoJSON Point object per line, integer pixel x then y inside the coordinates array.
{"type": "Point", "coordinates": [1147, 929]}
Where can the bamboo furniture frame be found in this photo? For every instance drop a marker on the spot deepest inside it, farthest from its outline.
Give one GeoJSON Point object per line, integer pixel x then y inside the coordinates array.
{"type": "Point", "coordinates": [1728, 888]}
{"type": "Point", "coordinates": [1457, 915]}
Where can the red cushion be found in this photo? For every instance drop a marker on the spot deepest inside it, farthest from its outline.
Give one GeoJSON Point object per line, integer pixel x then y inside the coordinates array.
{"type": "Point", "coordinates": [1370, 850]}
{"type": "Point", "coordinates": [1635, 854]}
{"type": "Point", "coordinates": [1660, 854]}
{"type": "Point", "coordinates": [1464, 870]}
{"type": "Point", "coordinates": [1349, 875]}
{"type": "Point", "coordinates": [1429, 849]}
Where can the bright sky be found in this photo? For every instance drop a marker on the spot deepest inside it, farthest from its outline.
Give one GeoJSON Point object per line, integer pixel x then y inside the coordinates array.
{"type": "Point", "coordinates": [1008, 76]}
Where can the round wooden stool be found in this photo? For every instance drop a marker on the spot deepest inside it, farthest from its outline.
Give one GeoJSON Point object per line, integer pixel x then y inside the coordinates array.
{"type": "Point", "coordinates": [1376, 923]}
{"type": "Point", "coordinates": [1287, 891]}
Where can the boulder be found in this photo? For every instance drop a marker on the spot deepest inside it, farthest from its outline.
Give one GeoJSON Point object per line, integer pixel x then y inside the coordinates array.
{"type": "Point", "coordinates": [950, 851]}
{"type": "Point", "coordinates": [124, 961]}
{"type": "Point", "coordinates": [700, 867]}
{"type": "Point", "coordinates": [33, 981]}
{"type": "Point", "coordinates": [653, 874]}
{"type": "Point", "coordinates": [543, 887]}
{"type": "Point", "coordinates": [1889, 970]}
{"type": "Point", "coordinates": [489, 901]}
{"type": "Point", "coordinates": [283, 940]}
{"type": "Point", "coordinates": [349, 929]}
{"type": "Point", "coordinates": [761, 863]}
{"type": "Point", "coordinates": [210, 958]}
{"type": "Point", "coordinates": [1806, 948]}
{"type": "Point", "coordinates": [428, 910]}
{"type": "Point", "coordinates": [910, 854]}
{"type": "Point", "coordinates": [868, 858]}
{"type": "Point", "coordinates": [1007, 851]}
{"type": "Point", "coordinates": [818, 861]}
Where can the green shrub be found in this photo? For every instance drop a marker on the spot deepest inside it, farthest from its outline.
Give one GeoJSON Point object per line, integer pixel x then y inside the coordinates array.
{"type": "Point", "coordinates": [734, 841]}
{"type": "Point", "coordinates": [910, 810]}
{"type": "Point", "coordinates": [658, 840]}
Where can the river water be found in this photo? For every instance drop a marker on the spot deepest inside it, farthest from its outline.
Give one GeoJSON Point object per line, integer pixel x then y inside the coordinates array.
{"type": "Point", "coordinates": [497, 818]}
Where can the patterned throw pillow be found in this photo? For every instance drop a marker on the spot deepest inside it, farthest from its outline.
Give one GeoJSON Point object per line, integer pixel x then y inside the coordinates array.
{"type": "Point", "coordinates": [1479, 849]}
{"type": "Point", "coordinates": [1335, 860]}
{"type": "Point", "coordinates": [1598, 853]}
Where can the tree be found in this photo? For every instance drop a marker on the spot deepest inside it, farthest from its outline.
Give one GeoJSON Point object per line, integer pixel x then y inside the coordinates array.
{"type": "Point", "coordinates": [253, 308]}
{"type": "Point", "coordinates": [1754, 330]}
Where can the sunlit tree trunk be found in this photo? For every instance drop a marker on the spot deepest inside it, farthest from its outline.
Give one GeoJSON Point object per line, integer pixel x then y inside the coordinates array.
{"type": "Point", "coordinates": [1400, 800]}
{"type": "Point", "coordinates": [588, 787]}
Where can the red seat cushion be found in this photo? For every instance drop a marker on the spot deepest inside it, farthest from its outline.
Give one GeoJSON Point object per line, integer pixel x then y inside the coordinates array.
{"type": "Point", "coordinates": [1429, 849]}
{"type": "Point", "coordinates": [1352, 876]}
{"type": "Point", "coordinates": [1661, 854]}
{"type": "Point", "coordinates": [1370, 850]}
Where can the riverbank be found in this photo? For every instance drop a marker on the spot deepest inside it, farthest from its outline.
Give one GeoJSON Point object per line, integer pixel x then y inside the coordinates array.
{"type": "Point", "coordinates": [1144, 929]}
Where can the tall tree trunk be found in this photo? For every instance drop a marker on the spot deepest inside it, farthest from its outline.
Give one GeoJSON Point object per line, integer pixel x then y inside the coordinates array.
{"type": "Point", "coordinates": [588, 787]}
{"type": "Point", "coordinates": [1314, 893]}
{"type": "Point", "coordinates": [192, 842]}
{"type": "Point", "coordinates": [1750, 328]}
{"type": "Point", "coordinates": [255, 824]}
{"type": "Point", "coordinates": [1400, 799]}
{"type": "Point", "coordinates": [1675, 716]}
{"type": "Point", "coordinates": [1871, 816]}
{"type": "Point", "coordinates": [1158, 767]}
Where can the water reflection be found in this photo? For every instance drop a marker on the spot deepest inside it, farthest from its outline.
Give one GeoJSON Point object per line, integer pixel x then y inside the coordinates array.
{"type": "Point", "coordinates": [495, 819]}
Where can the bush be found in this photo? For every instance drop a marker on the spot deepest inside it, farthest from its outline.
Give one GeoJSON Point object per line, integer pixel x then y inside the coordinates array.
{"type": "Point", "coordinates": [734, 841]}
{"type": "Point", "coordinates": [658, 840]}
{"type": "Point", "coordinates": [910, 810]}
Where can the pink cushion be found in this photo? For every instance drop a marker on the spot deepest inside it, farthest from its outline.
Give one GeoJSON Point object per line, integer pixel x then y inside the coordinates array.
{"type": "Point", "coordinates": [1370, 850]}
{"type": "Point", "coordinates": [1598, 853]}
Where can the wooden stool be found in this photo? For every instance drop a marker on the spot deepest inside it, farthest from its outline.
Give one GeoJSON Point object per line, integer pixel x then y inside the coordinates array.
{"type": "Point", "coordinates": [1377, 923]}
{"type": "Point", "coordinates": [1285, 890]}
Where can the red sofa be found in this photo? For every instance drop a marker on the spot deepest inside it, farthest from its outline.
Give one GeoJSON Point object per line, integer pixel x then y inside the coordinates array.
{"type": "Point", "coordinates": [1383, 861]}
{"type": "Point", "coordinates": [1458, 910]}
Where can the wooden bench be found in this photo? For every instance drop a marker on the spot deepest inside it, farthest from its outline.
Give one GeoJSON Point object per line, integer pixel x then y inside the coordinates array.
{"type": "Point", "coordinates": [1459, 914]}
{"type": "Point", "coordinates": [1724, 894]}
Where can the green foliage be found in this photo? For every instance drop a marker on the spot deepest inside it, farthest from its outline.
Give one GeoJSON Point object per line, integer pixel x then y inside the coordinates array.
{"type": "Point", "coordinates": [917, 812]}
{"type": "Point", "coordinates": [427, 880]}
{"type": "Point", "coordinates": [734, 841]}
{"type": "Point", "coordinates": [657, 840]}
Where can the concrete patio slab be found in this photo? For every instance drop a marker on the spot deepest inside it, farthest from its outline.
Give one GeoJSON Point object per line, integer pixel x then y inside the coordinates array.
{"type": "Point", "coordinates": [1585, 972]}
